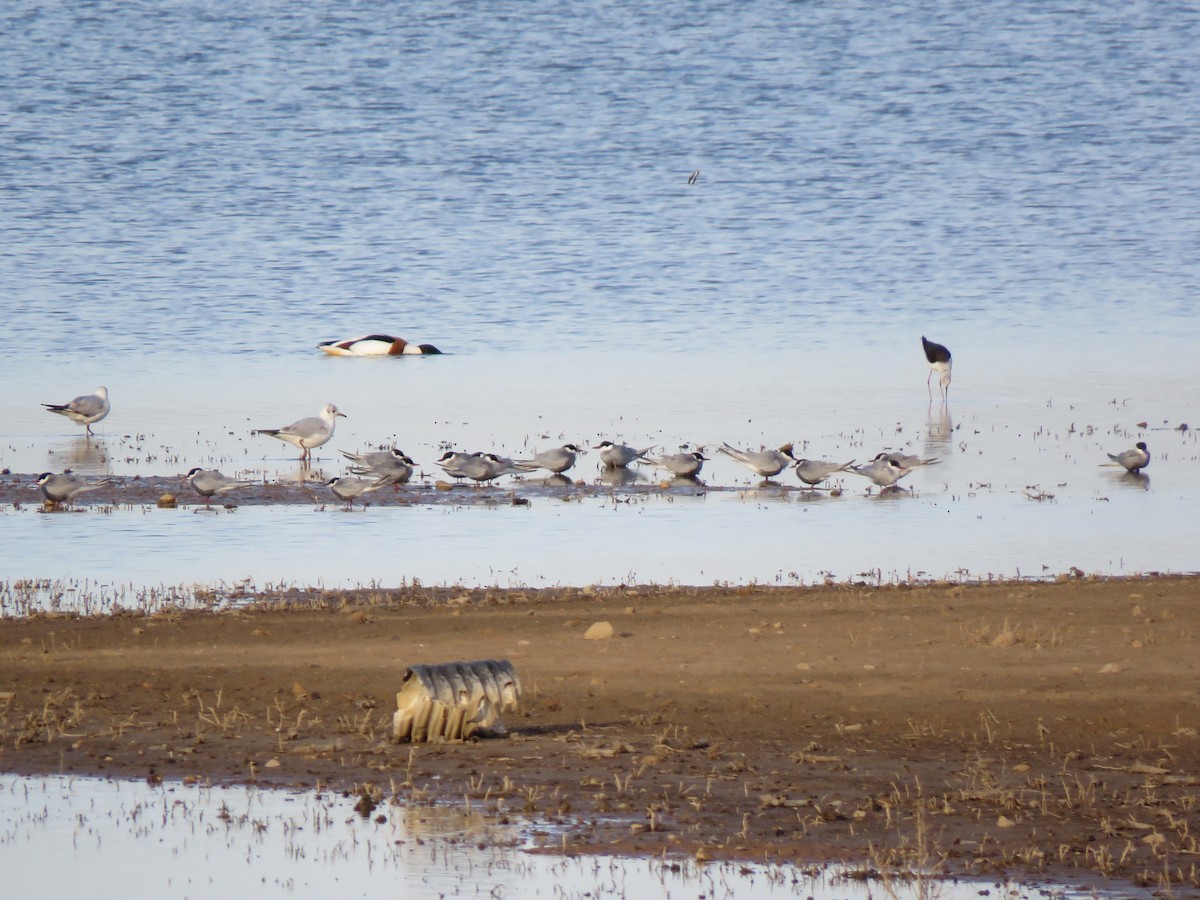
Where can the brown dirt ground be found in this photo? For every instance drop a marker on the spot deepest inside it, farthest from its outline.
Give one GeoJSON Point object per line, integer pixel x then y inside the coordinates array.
{"type": "Point", "coordinates": [1032, 730]}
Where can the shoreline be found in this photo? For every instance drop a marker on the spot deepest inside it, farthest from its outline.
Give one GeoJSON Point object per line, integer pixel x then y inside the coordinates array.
{"type": "Point", "coordinates": [1037, 729]}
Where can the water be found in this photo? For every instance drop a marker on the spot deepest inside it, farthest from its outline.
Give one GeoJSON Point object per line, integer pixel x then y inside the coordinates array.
{"type": "Point", "coordinates": [204, 842]}
{"type": "Point", "coordinates": [194, 196]}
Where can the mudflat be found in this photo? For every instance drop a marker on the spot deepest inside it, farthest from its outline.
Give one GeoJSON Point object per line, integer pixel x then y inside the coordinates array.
{"type": "Point", "coordinates": [1042, 730]}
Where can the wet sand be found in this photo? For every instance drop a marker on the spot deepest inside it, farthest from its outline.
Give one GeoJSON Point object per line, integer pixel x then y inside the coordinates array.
{"type": "Point", "coordinates": [1024, 729]}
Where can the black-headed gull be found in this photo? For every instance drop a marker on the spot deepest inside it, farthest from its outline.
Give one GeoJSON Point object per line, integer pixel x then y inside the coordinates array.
{"type": "Point", "coordinates": [86, 409]}
{"type": "Point", "coordinates": [307, 434]}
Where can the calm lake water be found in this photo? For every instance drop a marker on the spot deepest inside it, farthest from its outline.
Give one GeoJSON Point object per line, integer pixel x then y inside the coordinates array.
{"type": "Point", "coordinates": [193, 195]}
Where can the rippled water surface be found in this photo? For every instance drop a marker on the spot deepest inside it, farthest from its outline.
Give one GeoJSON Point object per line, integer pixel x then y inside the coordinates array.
{"type": "Point", "coordinates": [192, 195]}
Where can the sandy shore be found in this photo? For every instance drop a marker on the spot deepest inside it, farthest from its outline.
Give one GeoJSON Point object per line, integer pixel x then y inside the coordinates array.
{"type": "Point", "coordinates": [1044, 730]}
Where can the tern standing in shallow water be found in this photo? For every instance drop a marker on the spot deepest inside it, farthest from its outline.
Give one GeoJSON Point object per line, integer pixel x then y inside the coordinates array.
{"type": "Point", "coordinates": [617, 456]}
{"type": "Point", "coordinates": [940, 361]}
{"type": "Point", "coordinates": [307, 434]}
{"type": "Point", "coordinates": [350, 489]}
{"type": "Point", "coordinates": [883, 471]}
{"type": "Point", "coordinates": [767, 463]}
{"type": "Point", "coordinates": [1133, 460]}
{"type": "Point", "coordinates": [813, 471]}
{"type": "Point", "coordinates": [556, 460]}
{"type": "Point", "coordinates": [86, 409]}
{"type": "Point", "coordinates": [681, 465]}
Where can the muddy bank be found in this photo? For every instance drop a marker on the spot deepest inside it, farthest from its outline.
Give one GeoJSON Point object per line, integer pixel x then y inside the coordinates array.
{"type": "Point", "coordinates": [1046, 729]}
{"type": "Point", "coordinates": [308, 487]}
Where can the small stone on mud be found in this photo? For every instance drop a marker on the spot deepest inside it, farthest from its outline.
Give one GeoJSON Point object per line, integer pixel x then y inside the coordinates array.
{"type": "Point", "coordinates": [167, 501]}
{"type": "Point", "coordinates": [1005, 822]}
{"type": "Point", "coordinates": [1110, 669]}
{"type": "Point", "coordinates": [598, 631]}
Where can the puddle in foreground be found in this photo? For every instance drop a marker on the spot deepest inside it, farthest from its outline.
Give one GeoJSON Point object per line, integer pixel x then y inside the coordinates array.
{"type": "Point", "coordinates": [101, 839]}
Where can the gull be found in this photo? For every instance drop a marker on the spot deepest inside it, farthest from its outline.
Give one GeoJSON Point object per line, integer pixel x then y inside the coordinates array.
{"type": "Point", "coordinates": [881, 470]}
{"type": "Point", "coordinates": [393, 466]}
{"type": "Point", "coordinates": [767, 463]}
{"type": "Point", "coordinates": [909, 461]}
{"type": "Point", "coordinates": [940, 361]}
{"type": "Point", "coordinates": [557, 460]}
{"type": "Point", "coordinates": [309, 433]}
{"type": "Point", "coordinates": [377, 345]}
{"type": "Point", "coordinates": [208, 482]}
{"type": "Point", "coordinates": [617, 456]}
{"type": "Point", "coordinates": [85, 409]}
{"type": "Point", "coordinates": [350, 489]}
{"type": "Point", "coordinates": [814, 471]}
{"type": "Point", "coordinates": [682, 465]}
{"type": "Point", "coordinates": [64, 488]}
{"type": "Point", "coordinates": [1133, 460]}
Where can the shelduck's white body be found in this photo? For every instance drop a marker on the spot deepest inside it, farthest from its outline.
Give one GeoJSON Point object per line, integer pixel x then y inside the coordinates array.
{"type": "Point", "coordinates": [377, 345]}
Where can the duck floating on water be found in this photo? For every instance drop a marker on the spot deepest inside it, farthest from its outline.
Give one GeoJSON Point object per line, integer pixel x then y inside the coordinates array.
{"type": "Point", "coordinates": [377, 345]}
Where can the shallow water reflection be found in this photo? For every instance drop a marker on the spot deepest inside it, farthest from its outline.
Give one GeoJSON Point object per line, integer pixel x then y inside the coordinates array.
{"type": "Point", "coordinates": [112, 839]}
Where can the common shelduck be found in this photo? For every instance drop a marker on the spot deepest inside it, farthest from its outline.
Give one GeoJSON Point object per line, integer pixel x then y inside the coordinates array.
{"type": "Point", "coordinates": [377, 345]}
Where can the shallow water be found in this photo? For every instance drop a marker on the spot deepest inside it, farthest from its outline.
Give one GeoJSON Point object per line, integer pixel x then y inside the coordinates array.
{"type": "Point", "coordinates": [1020, 490]}
{"type": "Point", "coordinates": [194, 196]}
{"type": "Point", "coordinates": [203, 842]}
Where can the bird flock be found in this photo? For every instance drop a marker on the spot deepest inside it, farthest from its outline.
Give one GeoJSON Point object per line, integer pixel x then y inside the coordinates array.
{"type": "Point", "coordinates": [375, 470]}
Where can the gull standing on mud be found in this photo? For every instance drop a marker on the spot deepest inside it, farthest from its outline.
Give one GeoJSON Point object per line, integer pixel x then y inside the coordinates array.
{"type": "Point", "coordinates": [881, 470]}
{"type": "Point", "coordinates": [307, 434]}
{"type": "Point", "coordinates": [208, 482]}
{"type": "Point", "coordinates": [767, 463]}
{"type": "Point", "coordinates": [86, 409]}
{"type": "Point", "coordinates": [813, 471]}
{"type": "Point", "coordinates": [1132, 460]}
{"type": "Point", "coordinates": [940, 361]}
{"type": "Point", "coordinates": [64, 488]}
{"type": "Point", "coordinates": [617, 456]}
